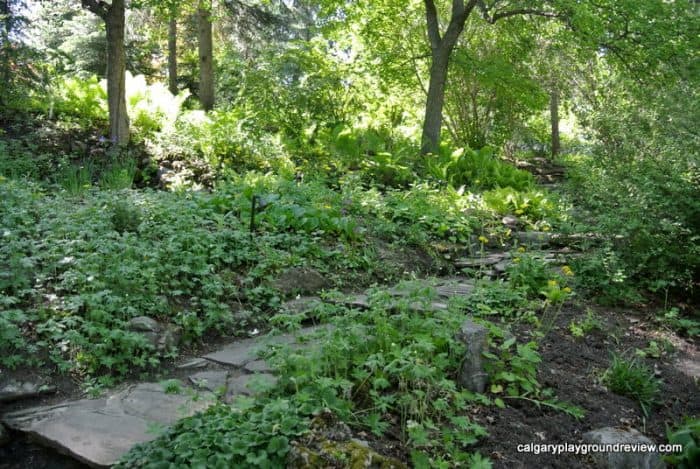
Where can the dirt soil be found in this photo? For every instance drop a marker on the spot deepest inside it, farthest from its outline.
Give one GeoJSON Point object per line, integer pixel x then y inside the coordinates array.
{"type": "Point", "coordinates": [573, 369]}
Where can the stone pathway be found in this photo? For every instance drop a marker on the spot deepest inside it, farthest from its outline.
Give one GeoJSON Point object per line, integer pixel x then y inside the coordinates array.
{"type": "Point", "coordinates": [98, 432]}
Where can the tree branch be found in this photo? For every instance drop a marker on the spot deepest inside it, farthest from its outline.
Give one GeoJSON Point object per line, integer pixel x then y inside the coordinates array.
{"type": "Point", "coordinates": [98, 7]}
{"type": "Point", "coordinates": [492, 18]}
{"type": "Point", "coordinates": [431, 17]}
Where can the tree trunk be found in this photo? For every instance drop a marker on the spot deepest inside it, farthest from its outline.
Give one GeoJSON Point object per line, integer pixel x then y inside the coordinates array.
{"type": "Point", "coordinates": [432, 124]}
{"type": "Point", "coordinates": [116, 70]}
{"type": "Point", "coordinates": [554, 119]}
{"type": "Point", "coordinates": [206, 64]}
{"type": "Point", "coordinates": [172, 54]}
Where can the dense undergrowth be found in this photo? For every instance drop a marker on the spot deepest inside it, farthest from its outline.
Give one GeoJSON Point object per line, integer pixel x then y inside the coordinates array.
{"type": "Point", "coordinates": [93, 236]}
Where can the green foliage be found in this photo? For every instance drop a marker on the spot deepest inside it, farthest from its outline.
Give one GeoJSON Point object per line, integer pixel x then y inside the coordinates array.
{"type": "Point", "coordinates": [478, 169]}
{"type": "Point", "coordinates": [532, 206]}
{"type": "Point", "coordinates": [530, 272]}
{"type": "Point", "coordinates": [633, 379]}
{"type": "Point", "coordinates": [399, 362]}
{"type": "Point", "coordinates": [687, 434]}
{"type": "Point", "coordinates": [76, 179]}
{"type": "Point", "coordinates": [590, 323]}
{"type": "Point", "coordinates": [248, 434]}
{"type": "Point", "coordinates": [119, 175]}
{"type": "Point", "coordinates": [688, 326]}
{"type": "Point", "coordinates": [84, 100]}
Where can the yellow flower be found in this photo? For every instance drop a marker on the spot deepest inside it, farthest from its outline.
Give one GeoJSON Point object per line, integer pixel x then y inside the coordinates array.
{"type": "Point", "coordinates": [567, 271]}
{"type": "Point", "coordinates": [516, 260]}
{"type": "Point", "coordinates": [483, 239]}
{"type": "Point", "coordinates": [545, 228]}
{"type": "Point", "coordinates": [519, 212]}
{"type": "Point", "coordinates": [521, 249]}
{"type": "Point", "coordinates": [567, 289]}
{"type": "Point", "coordinates": [552, 283]}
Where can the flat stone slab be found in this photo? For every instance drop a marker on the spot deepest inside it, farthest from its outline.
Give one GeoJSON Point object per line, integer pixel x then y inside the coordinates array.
{"type": "Point", "coordinates": [15, 390]}
{"type": "Point", "coordinates": [243, 352]}
{"type": "Point", "coordinates": [98, 432]}
{"type": "Point", "coordinates": [210, 380]}
{"type": "Point", "coordinates": [481, 261]}
{"type": "Point", "coordinates": [248, 385]}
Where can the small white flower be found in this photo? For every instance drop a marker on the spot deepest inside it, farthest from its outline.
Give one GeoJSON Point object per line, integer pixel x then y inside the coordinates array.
{"type": "Point", "coordinates": [66, 260]}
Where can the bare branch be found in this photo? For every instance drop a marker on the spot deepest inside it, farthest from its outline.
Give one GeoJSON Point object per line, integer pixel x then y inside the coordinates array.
{"type": "Point", "coordinates": [431, 17]}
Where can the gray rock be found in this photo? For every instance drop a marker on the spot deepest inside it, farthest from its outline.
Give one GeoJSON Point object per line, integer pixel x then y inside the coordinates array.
{"type": "Point", "coordinates": [471, 374]}
{"type": "Point", "coordinates": [300, 279]}
{"type": "Point", "coordinates": [163, 338]}
{"type": "Point", "coordinates": [210, 380]}
{"type": "Point", "coordinates": [194, 363]}
{"type": "Point", "coordinates": [510, 221]}
{"type": "Point", "coordinates": [143, 324]}
{"type": "Point", "coordinates": [617, 459]}
{"type": "Point", "coordinates": [243, 352]}
{"type": "Point", "coordinates": [258, 366]}
{"type": "Point", "coordinates": [481, 261]}
{"type": "Point", "coordinates": [4, 435]}
{"type": "Point", "coordinates": [302, 305]}
{"type": "Point", "coordinates": [454, 288]}
{"type": "Point", "coordinates": [533, 238]}
{"type": "Point", "coordinates": [249, 384]}
{"type": "Point", "coordinates": [98, 432]}
{"type": "Point", "coordinates": [16, 390]}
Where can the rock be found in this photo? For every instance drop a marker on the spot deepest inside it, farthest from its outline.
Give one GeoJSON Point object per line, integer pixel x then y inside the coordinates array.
{"type": "Point", "coordinates": [471, 374]}
{"type": "Point", "coordinates": [454, 288]}
{"type": "Point", "coordinates": [481, 261]}
{"type": "Point", "coordinates": [300, 280]}
{"type": "Point", "coordinates": [329, 443]}
{"type": "Point", "coordinates": [210, 380]}
{"type": "Point", "coordinates": [16, 390]}
{"type": "Point", "coordinates": [98, 432]}
{"type": "Point", "coordinates": [303, 305]}
{"type": "Point", "coordinates": [241, 353]}
{"type": "Point", "coordinates": [533, 238]}
{"type": "Point", "coordinates": [4, 435]}
{"type": "Point", "coordinates": [248, 384]}
{"type": "Point", "coordinates": [258, 366]}
{"type": "Point", "coordinates": [194, 363]}
{"type": "Point", "coordinates": [622, 460]}
{"type": "Point", "coordinates": [163, 338]}
{"type": "Point", "coordinates": [510, 221]}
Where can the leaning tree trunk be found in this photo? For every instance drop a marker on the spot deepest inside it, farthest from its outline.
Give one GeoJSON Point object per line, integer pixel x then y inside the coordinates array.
{"type": "Point", "coordinates": [172, 54]}
{"type": "Point", "coordinates": [206, 63]}
{"type": "Point", "coordinates": [554, 119]}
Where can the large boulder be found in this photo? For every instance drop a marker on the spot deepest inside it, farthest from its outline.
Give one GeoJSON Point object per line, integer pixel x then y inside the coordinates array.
{"type": "Point", "coordinates": [617, 459]}
{"type": "Point", "coordinates": [472, 375]}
